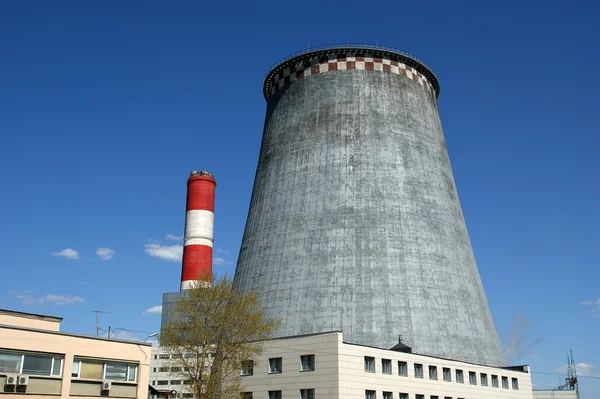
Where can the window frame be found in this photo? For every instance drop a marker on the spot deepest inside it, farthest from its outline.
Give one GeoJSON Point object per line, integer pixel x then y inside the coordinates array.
{"type": "Point", "coordinates": [370, 394]}
{"type": "Point", "coordinates": [386, 363]}
{"type": "Point", "coordinates": [53, 356]}
{"type": "Point", "coordinates": [403, 395]}
{"type": "Point", "coordinates": [246, 371]}
{"type": "Point", "coordinates": [311, 358]}
{"type": "Point", "coordinates": [495, 381]}
{"type": "Point", "coordinates": [307, 392]}
{"type": "Point", "coordinates": [483, 379]}
{"type": "Point", "coordinates": [505, 379]}
{"type": "Point", "coordinates": [276, 361]}
{"type": "Point", "coordinates": [460, 380]}
{"type": "Point", "coordinates": [432, 376]}
{"type": "Point", "coordinates": [449, 374]}
{"type": "Point", "coordinates": [515, 383]}
{"type": "Point", "coordinates": [278, 394]}
{"type": "Point", "coordinates": [387, 395]}
{"type": "Point", "coordinates": [472, 378]}
{"type": "Point", "coordinates": [420, 366]}
{"type": "Point", "coordinates": [104, 363]}
{"type": "Point", "coordinates": [402, 366]}
{"type": "Point", "coordinates": [370, 360]}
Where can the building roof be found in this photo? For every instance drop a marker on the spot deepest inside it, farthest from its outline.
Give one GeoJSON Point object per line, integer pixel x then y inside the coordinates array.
{"type": "Point", "coordinates": [30, 315]}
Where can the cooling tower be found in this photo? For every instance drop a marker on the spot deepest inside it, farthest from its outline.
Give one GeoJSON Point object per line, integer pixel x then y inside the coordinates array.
{"type": "Point", "coordinates": [354, 221]}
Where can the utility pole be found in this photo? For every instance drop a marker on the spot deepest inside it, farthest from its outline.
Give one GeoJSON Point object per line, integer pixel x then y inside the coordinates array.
{"type": "Point", "coordinates": [98, 328]}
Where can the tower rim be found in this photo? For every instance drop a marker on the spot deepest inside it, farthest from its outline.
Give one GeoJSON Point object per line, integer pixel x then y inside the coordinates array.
{"type": "Point", "coordinates": [392, 53]}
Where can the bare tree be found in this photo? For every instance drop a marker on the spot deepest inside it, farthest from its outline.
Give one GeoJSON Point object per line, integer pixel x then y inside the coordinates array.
{"type": "Point", "coordinates": [214, 330]}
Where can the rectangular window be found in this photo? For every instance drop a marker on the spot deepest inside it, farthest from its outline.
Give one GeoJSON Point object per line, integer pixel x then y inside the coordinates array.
{"type": "Point", "coordinates": [447, 397]}
{"type": "Point", "coordinates": [402, 369]}
{"type": "Point", "coordinates": [307, 362]}
{"type": "Point", "coordinates": [307, 394]}
{"type": "Point", "coordinates": [189, 356]}
{"type": "Point", "coordinates": [155, 357]}
{"type": "Point", "coordinates": [472, 378]}
{"type": "Point", "coordinates": [163, 369]}
{"type": "Point", "coordinates": [417, 396]}
{"type": "Point", "coordinates": [386, 366]}
{"type": "Point", "coordinates": [515, 383]}
{"type": "Point", "coordinates": [370, 395]}
{"type": "Point", "coordinates": [275, 365]}
{"type": "Point", "coordinates": [97, 370]}
{"type": "Point", "coordinates": [388, 395]}
{"type": "Point", "coordinates": [434, 397]}
{"type": "Point", "coordinates": [247, 367]}
{"type": "Point", "coordinates": [495, 381]}
{"type": "Point", "coordinates": [403, 395]}
{"type": "Point", "coordinates": [176, 356]}
{"type": "Point", "coordinates": [483, 378]}
{"type": "Point", "coordinates": [505, 382]}
{"type": "Point", "coordinates": [432, 372]}
{"type": "Point", "coordinates": [369, 364]}
{"type": "Point", "coordinates": [459, 376]}
{"type": "Point", "coordinates": [162, 382]}
{"type": "Point", "coordinates": [163, 356]}
{"type": "Point", "coordinates": [418, 370]}
{"type": "Point", "coordinates": [188, 395]}
{"type": "Point", "coordinates": [175, 369]}
{"type": "Point", "coordinates": [32, 364]}
{"type": "Point", "coordinates": [175, 382]}
{"type": "Point", "coordinates": [274, 394]}
{"type": "Point", "coordinates": [447, 374]}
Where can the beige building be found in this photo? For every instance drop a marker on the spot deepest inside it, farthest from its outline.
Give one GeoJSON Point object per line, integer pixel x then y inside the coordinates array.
{"type": "Point", "coordinates": [39, 361]}
{"type": "Point", "coordinates": [324, 366]}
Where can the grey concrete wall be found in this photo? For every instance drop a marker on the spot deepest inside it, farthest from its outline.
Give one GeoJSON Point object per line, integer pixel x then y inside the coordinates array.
{"type": "Point", "coordinates": [168, 308]}
{"type": "Point", "coordinates": [355, 223]}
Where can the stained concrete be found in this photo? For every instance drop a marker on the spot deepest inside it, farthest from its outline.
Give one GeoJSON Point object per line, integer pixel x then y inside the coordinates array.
{"type": "Point", "coordinates": [355, 222]}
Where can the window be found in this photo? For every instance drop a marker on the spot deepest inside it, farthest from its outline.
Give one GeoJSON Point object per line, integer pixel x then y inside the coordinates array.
{"type": "Point", "coordinates": [459, 376]}
{"type": "Point", "coordinates": [246, 395]}
{"type": "Point", "coordinates": [403, 395]}
{"type": "Point", "coordinates": [417, 396]}
{"type": "Point", "coordinates": [434, 397]}
{"type": "Point", "coordinates": [187, 382]}
{"type": "Point", "coordinates": [274, 394]}
{"type": "Point", "coordinates": [191, 395]}
{"type": "Point", "coordinates": [175, 369]}
{"type": "Point", "coordinates": [175, 382]}
{"type": "Point", "coordinates": [402, 369]}
{"type": "Point", "coordinates": [189, 356]}
{"type": "Point", "coordinates": [163, 369]}
{"type": "Point", "coordinates": [472, 378]}
{"type": "Point", "coordinates": [163, 356]}
{"type": "Point", "coordinates": [432, 372]}
{"type": "Point", "coordinates": [370, 395]}
{"type": "Point", "coordinates": [98, 370]}
{"type": "Point", "coordinates": [162, 382]}
{"type": "Point", "coordinates": [388, 395]}
{"type": "Point", "coordinates": [495, 381]}
{"type": "Point", "coordinates": [176, 356]}
{"type": "Point", "coordinates": [153, 383]}
{"type": "Point", "coordinates": [155, 357]}
{"type": "Point", "coordinates": [32, 364]}
{"type": "Point", "coordinates": [369, 364]}
{"type": "Point", "coordinates": [483, 378]}
{"type": "Point", "coordinates": [505, 382]}
{"type": "Point", "coordinates": [275, 365]}
{"type": "Point", "coordinates": [307, 362]}
{"type": "Point", "coordinates": [515, 383]}
{"type": "Point", "coordinates": [447, 374]}
{"type": "Point", "coordinates": [418, 370]}
{"type": "Point", "coordinates": [386, 366]}
{"type": "Point", "coordinates": [307, 394]}
{"type": "Point", "coordinates": [247, 367]}
{"type": "Point", "coordinates": [447, 397]}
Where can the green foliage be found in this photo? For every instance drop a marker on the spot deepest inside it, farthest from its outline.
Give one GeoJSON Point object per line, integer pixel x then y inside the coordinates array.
{"type": "Point", "coordinates": [214, 331]}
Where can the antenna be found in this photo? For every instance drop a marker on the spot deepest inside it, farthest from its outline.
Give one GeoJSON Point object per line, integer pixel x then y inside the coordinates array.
{"type": "Point", "coordinates": [97, 312]}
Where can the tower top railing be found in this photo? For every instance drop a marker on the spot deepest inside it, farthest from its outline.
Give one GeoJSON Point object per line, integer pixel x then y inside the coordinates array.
{"type": "Point", "coordinates": [350, 46]}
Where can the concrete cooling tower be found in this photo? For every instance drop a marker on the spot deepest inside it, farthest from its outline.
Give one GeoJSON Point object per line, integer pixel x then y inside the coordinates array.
{"type": "Point", "coordinates": [354, 221]}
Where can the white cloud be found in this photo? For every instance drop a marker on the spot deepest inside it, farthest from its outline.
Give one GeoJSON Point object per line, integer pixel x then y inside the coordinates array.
{"type": "Point", "coordinates": [171, 253]}
{"type": "Point", "coordinates": [126, 335]}
{"type": "Point", "coordinates": [587, 303]}
{"type": "Point", "coordinates": [153, 310]}
{"type": "Point", "coordinates": [595, 305]}
{"type": "Point", "coordinates": [60, 300]}
{"type": "Point", "coordinates": [173, 238]}
{"type": "Point", "coordinates": [222, 251]}
{"type": "Point", "coordinates": [105, 253]}
{"type": "Point", "coordinates": [221, 261]}
{"type": "Point", "coordinates": [583, 370]}
{"type": "Point", "coordinates": [68, 253]}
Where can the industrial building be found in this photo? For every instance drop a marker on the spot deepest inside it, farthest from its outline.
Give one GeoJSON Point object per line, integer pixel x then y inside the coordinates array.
{"type": "Point", "coordinates": [355, 222]}
{"type": "Point", "coordinates": [38, 361]}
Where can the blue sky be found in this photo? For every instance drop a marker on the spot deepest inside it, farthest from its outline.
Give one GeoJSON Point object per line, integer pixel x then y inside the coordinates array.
{"type": "Point", "coordinates": [106, 107]}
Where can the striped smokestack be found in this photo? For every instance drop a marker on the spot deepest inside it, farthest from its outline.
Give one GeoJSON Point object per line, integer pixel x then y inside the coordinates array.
{"type": "Point", "coordinates": [198, 239]}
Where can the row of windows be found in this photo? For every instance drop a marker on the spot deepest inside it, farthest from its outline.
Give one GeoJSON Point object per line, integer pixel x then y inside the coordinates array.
{"type": "Point", "coordinates": [304, 394]}
{"type": "Point", "coordinates": [98, 370]}
{"type": "Point", "coordinates": [307, 363]}
{"type": "Point", "coordinates": [178, 356]}
{"type": "Point", "coordinates": [386, 368]}
{"type": "Point", "coordinates": [390, 395]}
{"type": "Point", "coordinates": [171, 382]}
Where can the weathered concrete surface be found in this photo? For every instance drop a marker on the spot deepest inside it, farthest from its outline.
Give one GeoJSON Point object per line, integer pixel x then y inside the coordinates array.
{"type": "Point", "coordinates": [355, 223]}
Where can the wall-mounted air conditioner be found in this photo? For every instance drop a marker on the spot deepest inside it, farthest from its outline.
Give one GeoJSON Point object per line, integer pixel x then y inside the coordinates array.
{"type": "Point", "coordinates": [23, 380]}
{"type": "Point", "coordinates": [106, 385]}
{"type": "Point", "coordinates": [11, 379]}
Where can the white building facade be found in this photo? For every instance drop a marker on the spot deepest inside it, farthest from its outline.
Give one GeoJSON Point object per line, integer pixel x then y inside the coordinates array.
{"type": "Point", "coordinates": [165, 374]}
{"type": "Point", "coordinates": [324, 366]}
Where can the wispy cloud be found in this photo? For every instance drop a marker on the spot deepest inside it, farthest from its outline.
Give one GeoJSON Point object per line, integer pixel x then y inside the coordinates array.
{"type": "Point", "coordinates": [60, 300]}
{"type": "Point", "coordinates": [221, 261]}
{"type": "Point", "coordinates": [587, 303]}
{"type": "Point", "coordinates": [583, 370]}
{"type": "Point", "coordinates": [223, 252]}
{"type": "Point", "coordinates": [68, 253]}
{"type": "Point", "coordinates": [173, 237]}
{"type": "Point", "coordinates": [126, 335]}
{"type": "Point", "coordinates": [171, 253]}
{"type": "Point", "coordinates": [518, 346]}
{"type": "Point", "coordinates": [595, 305]}
{"type": "Point", "coordinates": [154, 310]}
{"type": "Point", "coordinates": [105, 253]}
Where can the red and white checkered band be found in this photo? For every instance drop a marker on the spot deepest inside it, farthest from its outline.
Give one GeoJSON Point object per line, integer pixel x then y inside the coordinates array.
{"type": "Point", "coordinates": [304, 68]}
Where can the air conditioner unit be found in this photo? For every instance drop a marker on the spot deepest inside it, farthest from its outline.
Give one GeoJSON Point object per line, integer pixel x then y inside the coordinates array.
{"type": "Point", "coordinates": [106, 385]}
{"type": "Point", "coordinates": [23, 380]}
{"type": "Point", "coordinates": [11, 379]}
